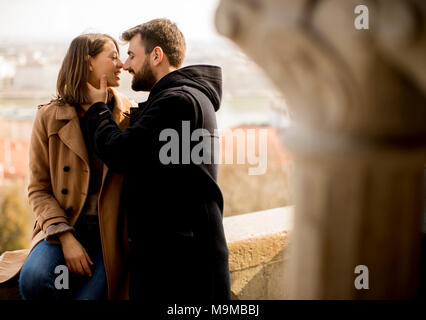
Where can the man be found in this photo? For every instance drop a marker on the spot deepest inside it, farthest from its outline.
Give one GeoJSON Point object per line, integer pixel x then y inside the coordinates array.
{"type": "Point", "coordinates": [174, 208]}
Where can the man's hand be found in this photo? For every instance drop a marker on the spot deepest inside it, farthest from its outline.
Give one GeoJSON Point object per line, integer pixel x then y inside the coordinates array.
{"type": "Point", "coordinates": [97, 95]}
{"type": "Point", "coordinates": [76, 257]}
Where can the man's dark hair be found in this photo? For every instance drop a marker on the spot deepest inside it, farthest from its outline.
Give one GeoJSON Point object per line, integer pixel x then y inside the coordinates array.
{"type": "Point", "coordinates": [162, 33]}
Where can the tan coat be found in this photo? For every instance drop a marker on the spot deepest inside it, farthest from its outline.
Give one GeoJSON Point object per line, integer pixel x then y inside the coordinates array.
{"type": "Point", "coordinates": [58, 195]}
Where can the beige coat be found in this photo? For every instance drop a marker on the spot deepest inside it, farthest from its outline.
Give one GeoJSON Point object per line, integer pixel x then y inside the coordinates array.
{"type": "Point", "coordinates": [58, 195]}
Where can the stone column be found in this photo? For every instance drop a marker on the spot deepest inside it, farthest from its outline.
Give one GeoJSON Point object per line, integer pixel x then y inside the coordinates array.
{"type": "Point", "coordinates": [358, 103]}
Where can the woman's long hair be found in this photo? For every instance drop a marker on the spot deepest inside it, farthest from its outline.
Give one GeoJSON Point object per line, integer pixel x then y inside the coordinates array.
{"type": "Point", "coordinates": [71, 86]}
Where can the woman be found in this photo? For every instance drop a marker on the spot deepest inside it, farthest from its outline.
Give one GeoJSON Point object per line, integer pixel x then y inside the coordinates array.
{"type": "Point", "coordinates": [73, 195]}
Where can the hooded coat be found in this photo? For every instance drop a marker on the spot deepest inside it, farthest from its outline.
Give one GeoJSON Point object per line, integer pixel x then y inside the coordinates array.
{"type": "Point", "coordinates": [173, 202]}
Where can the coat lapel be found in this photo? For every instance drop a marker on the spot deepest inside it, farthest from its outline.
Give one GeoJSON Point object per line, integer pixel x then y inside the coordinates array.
{"type": "Point", "coordinates": [121, 110]}
{"type": "Point", "coordinates": [70, 134]}
{"type": "Point", "coordinates": [120, 115]}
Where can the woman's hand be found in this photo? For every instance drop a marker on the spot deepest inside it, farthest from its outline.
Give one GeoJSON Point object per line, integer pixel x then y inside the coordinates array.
{"type": "Point", "coordinates": [75, 255]}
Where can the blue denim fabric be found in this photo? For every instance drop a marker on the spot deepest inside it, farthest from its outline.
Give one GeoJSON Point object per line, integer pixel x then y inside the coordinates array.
{"type": "Point", "coordinates": [37, 277]}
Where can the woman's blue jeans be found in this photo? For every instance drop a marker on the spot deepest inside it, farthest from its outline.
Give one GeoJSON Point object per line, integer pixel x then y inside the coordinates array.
{"type": "Point", "coordinates": [37, 277]}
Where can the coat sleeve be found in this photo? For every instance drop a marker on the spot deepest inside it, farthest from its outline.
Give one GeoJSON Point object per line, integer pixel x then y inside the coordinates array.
{"type": "Point", "coordinates": [124, 151]}
{"type": "Point", "coordinates": [44, 205]}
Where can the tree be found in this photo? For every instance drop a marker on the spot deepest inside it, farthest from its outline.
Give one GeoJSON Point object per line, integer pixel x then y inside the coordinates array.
{"type": "Point", "coordinates": [15, 221]}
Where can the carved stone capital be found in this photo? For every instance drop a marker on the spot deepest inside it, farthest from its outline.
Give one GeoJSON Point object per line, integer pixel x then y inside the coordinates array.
{"type": "Point", "coordinates": [358, 101]}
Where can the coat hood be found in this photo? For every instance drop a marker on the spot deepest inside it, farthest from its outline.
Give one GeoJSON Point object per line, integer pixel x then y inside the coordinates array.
{"type": "Point", "coordinates": [206, 78]}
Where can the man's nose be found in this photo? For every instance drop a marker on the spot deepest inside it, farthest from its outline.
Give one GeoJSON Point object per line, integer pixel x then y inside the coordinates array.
{"type": "Point", "coordinates": [126, 65]}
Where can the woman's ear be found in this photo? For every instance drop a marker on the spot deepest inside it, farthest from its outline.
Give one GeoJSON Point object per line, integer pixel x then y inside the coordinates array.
{"type": "Point", "coordinates": [90, 59]}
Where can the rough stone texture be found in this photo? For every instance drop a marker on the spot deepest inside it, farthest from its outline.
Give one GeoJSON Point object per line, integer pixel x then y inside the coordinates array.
{"type": "Point", "coordinates": [358, 105]}
{"type": "Point", "coordinates": [258, 245]}
{"type": "Point", "coordinates": [248, 284]}
{"type": "Point", "coordinates": [257, 238]}
{"type": "Point", "coordinates": [255, 251]}
{"type": "Point", "coordinates": [276, 277]}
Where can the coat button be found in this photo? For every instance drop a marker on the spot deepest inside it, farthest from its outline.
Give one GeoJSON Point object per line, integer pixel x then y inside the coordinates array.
{"type": "Point", "coordinates": [66, 168]}
{"type": "Point", "coordinates": [64, 191]}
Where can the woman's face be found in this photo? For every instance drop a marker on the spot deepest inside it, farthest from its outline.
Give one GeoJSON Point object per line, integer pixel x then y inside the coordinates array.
{"type": "Point", "coordinates": [106, 62]}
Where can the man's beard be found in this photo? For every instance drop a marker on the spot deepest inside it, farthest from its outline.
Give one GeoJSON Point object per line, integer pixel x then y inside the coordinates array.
{"type": "Point", "coordinates": [144, 79]}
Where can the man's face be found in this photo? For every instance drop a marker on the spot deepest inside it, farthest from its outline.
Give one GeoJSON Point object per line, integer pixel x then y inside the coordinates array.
{"type": "Point", "coordinates": [138, 65]}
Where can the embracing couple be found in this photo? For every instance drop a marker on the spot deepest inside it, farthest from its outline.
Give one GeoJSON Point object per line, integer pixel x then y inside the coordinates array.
{"type": "Point", "coordinates": [124, 223]}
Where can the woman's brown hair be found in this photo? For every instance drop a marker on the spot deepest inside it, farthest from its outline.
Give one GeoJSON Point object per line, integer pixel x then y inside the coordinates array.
{"type": "Point", "coordinates": [71, 86]}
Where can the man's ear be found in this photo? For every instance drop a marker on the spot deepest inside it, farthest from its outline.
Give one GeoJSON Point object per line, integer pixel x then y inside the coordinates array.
{"type": "Point", "coordinates": [157, 55]}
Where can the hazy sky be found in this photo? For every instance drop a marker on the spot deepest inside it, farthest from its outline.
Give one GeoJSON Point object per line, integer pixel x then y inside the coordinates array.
{"type": "Point", "coordinates": [65, 19]}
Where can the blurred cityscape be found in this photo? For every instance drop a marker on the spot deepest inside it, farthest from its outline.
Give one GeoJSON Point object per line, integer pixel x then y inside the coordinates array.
{"type": "Point", "coordinates": [28, 74]}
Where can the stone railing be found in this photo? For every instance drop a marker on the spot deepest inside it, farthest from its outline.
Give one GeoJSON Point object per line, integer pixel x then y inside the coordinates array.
{"type": "Point", "coordinates": [258, 244]}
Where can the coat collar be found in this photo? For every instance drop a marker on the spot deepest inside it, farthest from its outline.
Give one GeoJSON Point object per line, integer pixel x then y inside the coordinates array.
{"type": "Point", "coordinates": [121, 110]}
{"type": "Point", "coordinates": [71, 134]}
{"type": "Point", "coordinates": [65, 112]}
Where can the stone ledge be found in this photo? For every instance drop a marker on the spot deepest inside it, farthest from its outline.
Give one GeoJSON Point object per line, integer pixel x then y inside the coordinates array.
{"type": "Point", "coordinates": [257, 255]}
{"type": "Point", "coordinates": [257, 245]}
{"type": "Point", "coordinates": [9, 290]}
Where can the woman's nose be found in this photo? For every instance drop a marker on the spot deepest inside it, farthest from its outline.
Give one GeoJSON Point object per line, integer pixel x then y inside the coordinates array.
{"type": "Point", "coordinates": [119, 64]}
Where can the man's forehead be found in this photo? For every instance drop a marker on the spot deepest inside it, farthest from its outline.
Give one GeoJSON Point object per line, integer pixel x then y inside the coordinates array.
{"type": "Point", "coordinates": [135, 44]}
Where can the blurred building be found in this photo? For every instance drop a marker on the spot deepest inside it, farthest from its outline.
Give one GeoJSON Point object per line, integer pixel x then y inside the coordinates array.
{"type": "Point", "coordinates": [7, 73]}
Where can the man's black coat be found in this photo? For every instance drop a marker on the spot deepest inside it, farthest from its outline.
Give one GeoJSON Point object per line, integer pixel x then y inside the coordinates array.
{"type": "Point", "coordinates": [174, 210]}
